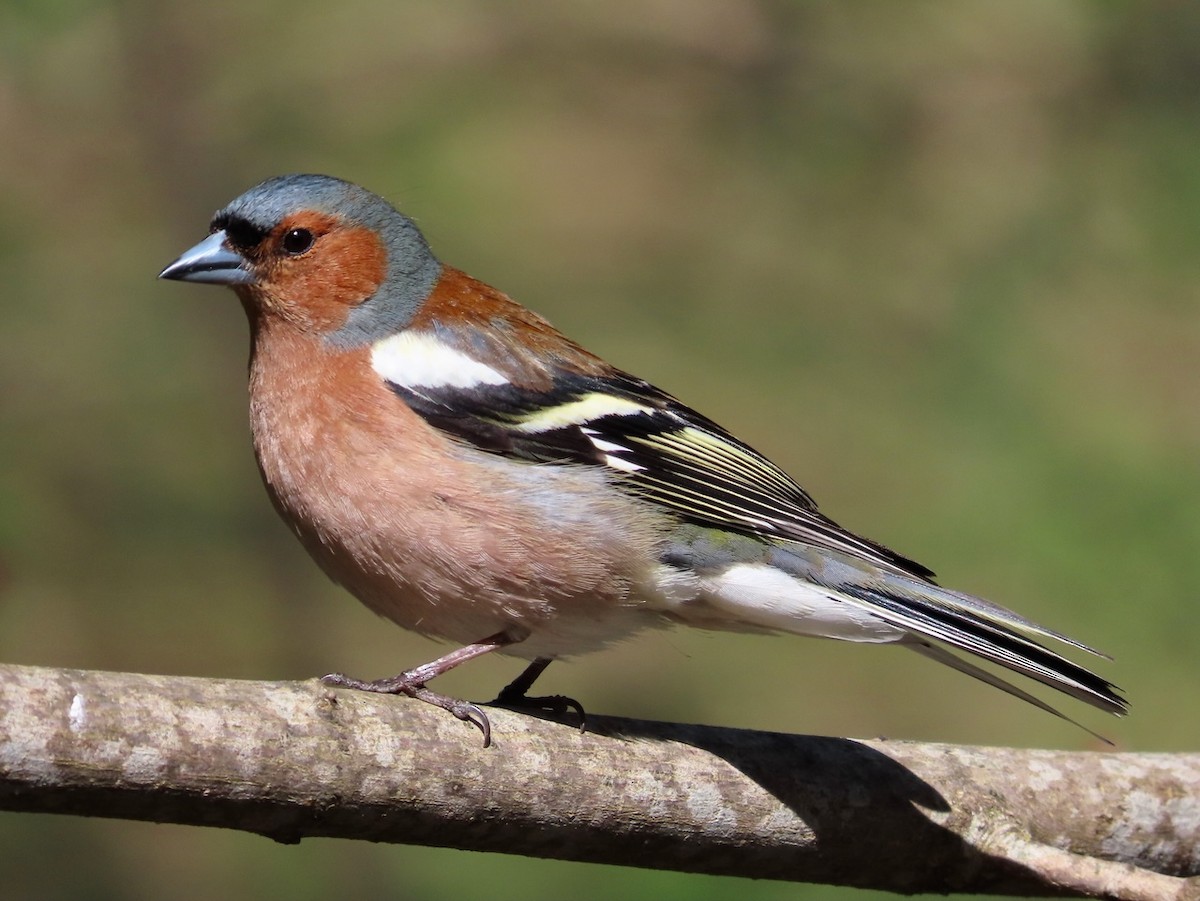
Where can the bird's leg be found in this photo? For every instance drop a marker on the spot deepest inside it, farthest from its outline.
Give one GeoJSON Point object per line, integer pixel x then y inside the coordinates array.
{"type": "Point", "coordinates": [514, 694]}
{"type": "Point", "coordinates": [412, 682]}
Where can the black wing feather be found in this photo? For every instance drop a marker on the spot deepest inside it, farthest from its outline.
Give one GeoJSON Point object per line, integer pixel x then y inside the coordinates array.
{"type": "Point", "coordinates": [658, 448]}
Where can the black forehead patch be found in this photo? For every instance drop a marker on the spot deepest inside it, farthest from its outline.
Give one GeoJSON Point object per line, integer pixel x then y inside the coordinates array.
{"type": "Point", "coordinates": [242, 234]}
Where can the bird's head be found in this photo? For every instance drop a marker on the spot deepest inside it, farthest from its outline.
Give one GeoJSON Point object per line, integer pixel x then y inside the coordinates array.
{"type": "Point", "coordinates": [318, 254]}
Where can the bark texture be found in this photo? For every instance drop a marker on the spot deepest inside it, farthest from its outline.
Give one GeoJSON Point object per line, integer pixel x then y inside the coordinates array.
{"type": "Point", "coordinates": [290, 760]}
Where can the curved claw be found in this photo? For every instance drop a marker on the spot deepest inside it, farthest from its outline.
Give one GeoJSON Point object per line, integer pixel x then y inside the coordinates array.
{"type": "Point", "coordinates": [471, 713]}
{"type": "Point", "coordinates": [578, 708]}
{"type": "Point", "coordinates": [561, 704]}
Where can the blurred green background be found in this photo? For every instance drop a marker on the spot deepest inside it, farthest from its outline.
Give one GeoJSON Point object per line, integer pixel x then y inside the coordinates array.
{"type": "Point", "coordinates": [937, 260]}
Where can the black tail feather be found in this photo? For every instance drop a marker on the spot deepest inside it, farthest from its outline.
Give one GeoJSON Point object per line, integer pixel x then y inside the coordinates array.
{"type": "Point", "coordinates": [929, 612]}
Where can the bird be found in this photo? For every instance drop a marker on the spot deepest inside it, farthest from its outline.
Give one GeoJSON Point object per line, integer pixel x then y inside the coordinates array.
{"type": "Point", "coordinates": [473, 475]}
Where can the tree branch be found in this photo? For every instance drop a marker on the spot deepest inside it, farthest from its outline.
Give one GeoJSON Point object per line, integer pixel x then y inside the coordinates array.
{"type": "Point", "coordinates": [290, 760]}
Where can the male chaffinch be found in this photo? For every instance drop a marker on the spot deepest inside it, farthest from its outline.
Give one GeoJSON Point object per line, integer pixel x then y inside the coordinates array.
{"type": "Point", "coordinates": [471, 474]}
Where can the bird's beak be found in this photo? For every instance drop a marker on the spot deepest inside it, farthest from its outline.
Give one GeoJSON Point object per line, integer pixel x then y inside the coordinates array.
{"type": "Point", "coordinates": [211, 262]}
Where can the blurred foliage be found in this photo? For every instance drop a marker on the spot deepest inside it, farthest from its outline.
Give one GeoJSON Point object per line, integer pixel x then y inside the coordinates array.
{"type": "Point", "coordinates": [938, 260]}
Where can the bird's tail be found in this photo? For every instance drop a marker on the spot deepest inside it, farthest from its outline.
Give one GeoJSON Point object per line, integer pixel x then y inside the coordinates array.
{"type": "Point", "coordinates": [929, 613]}
{"type": "Point", "coordinates": [823, 592]}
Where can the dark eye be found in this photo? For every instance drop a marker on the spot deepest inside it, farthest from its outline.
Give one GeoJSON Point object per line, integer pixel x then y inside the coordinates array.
{"type": "Point", "coordinates": [297, 241]}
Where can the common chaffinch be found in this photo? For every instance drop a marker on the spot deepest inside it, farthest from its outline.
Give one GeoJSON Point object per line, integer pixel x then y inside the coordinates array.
{"type": "Point", "coordinates": [471, 474]}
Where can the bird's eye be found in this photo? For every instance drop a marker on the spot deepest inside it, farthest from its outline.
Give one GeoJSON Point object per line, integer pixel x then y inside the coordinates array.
{"type": "Point", "coordinates": [298, 240]}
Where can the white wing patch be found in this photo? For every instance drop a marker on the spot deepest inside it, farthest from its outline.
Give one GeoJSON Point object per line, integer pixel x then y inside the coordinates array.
{"type": "Point", "coordinates": [622, 464]}
{"type": "Point", "coordinates": [610, 450]}
{"type": "Point", "coordinates": [416, 360]}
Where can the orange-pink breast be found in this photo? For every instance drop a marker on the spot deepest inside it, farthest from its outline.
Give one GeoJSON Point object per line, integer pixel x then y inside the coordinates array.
{"type": "Point", "coordinates": [443, 539]}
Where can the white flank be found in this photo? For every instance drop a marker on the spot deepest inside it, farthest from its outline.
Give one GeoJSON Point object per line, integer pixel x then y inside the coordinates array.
{"type": "Point", "coordinates": [577, 412]}
{"type": "Point", "coordinates": [759, 595]}
{"type": "Point", "coordinates": [675, 587]}
{"type": "Point", "coordinates": [421, 360]}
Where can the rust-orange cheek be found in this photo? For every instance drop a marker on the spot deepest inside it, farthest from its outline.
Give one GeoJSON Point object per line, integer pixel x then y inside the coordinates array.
{"type": "Point", "coordinates": [344, 268]}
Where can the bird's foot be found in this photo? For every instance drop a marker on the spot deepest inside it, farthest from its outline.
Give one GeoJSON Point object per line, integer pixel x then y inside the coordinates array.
{"type": "Point", "coordinates": [413, 686]}
{"type": "Point", "coordinates": [513, 697]}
